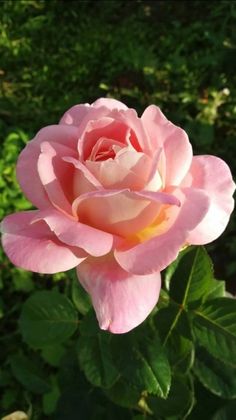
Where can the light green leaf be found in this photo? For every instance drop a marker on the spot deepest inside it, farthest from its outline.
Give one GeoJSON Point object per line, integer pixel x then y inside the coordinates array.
{"type": "Point", "coordinates": [47, 318]}
{"type": "Point", "coordinates": [192, 279]}
{"type": "Point", "coordinates": [214, 326]}
{"type": "Point", "coordinates": [215, 375]}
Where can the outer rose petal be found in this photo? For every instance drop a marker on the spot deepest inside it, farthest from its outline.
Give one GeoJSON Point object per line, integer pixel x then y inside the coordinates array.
{"type": "Point", "coordinates": [56, 175]}
{"type": "Point", "coordinates": [212, 175]}
{"type": "Point", "coordinates": [26, 170]}
{"type": "Point", "coordinates": [83, 112]}
{"type": "Point", "coordinates": [175, 143]}
{"type": "Point", "coordinates": [109, 103]}
{"type": "Point", "coordinates": [121, 300]}
{"type": "Point", "coordinates": [157, 253]}
{"type": "Point", "coordinates": [74, 233]}
{"type": "Point", "coordinates": [34, 247]}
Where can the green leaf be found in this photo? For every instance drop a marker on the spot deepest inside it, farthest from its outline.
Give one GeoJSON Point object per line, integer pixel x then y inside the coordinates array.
{"type": "Point", "coordinates": [53, 354]}
{"type": "Point", "coordinates": [215, 375]}
{"type": "Point", "coordinates": [214, 326]}
{"type": "Point", "coordinates": [50, 398]}
{"type": "Point", "coordinates": [47, 318]}
{"type": "Point", "coordinates": [170, 319]}
{"type": "Point", "coordinates": [28, 374]}
{"type": "Point", "coordinates": [226, 413]}
{"type": "Point", "coordinates": [142, 363]}
{"type": "Point", "coordinates": [180, 353]}
{"type": "Point", "coordinates": [179, 401]}
{"type": "Point", "coordinates": [217, 290]}
{"type": "Point", "coordinates": [94, 354]}
{"type": "Point", "coordinates": [123, 394]}
{"type": "Point", "coordinates": [80, 297]}
{"type": "Point", "coordinates": [192, 278]}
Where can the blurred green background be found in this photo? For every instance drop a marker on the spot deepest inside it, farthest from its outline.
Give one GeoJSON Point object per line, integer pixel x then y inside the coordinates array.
{"type": "Point", "coordinates": [178, 55]}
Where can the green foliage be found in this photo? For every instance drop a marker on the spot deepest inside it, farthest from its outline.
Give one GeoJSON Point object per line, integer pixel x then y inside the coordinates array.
{"type": "Point", "coordinates": [215, 328]}
{"type": "Point", "coordinates": [142, 362]}
{"type": "Point", "coordinates": [94, 353]}
{"type": "Point", "coordinates": [47, 318]}
{"type": "Point", "coordinates": [55, 362]}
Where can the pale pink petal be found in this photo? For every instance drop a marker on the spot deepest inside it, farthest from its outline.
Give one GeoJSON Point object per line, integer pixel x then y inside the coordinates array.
{"type": "Point", "coordinates": [55, 174]}
{"type": "Point", "coordinates": [76, 234]}
{"type": "Point", "coordinates": [26, 170]}
{"type": "Point", "coordinates": [109, 103]}
{"type": "Point", "coordinates": [138, 136]}
{"type": "Point", "coordinates": [157, 253]}
{"type": "Point", "coordinates": [75, 115]}
{"type": "Point", "coordinates": [212, 175]}
{"type": "Point", "coordinates": [96, 129]}
{"type": "Point", "coordinates": [154, 180]}
{"type": "Point", "coordinates": [33, 246]}
{"type": "Point", "coordinates": [121, 300]}
{"type": "Point", "coordinates": [103, 146]}
{"type": "Point", "coordinates": [120, 212]}
{"type": "Point", "coordinates": [176, 147]}
{"type": "Point", "coordinates": [83, 179]}
{"type": "Point", "coordinates": [111, 174]}
{"type": "Point", "coordinates": [128, 169]}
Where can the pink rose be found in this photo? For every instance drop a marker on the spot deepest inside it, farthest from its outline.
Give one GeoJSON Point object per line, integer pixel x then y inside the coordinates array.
{"type": "Point", "coordinates": [118, 197]}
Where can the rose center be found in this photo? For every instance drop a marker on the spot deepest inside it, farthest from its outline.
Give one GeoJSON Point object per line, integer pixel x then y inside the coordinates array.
{"type": "Point", "coordinates": [105, 149]}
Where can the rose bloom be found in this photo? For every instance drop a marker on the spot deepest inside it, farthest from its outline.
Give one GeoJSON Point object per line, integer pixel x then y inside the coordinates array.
{"type": "Point", "coordinates": [118, 197]}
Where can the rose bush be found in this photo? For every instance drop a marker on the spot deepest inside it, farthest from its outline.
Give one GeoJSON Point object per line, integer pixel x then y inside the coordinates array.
{"type": "Point", "coordinates": [118, 196]}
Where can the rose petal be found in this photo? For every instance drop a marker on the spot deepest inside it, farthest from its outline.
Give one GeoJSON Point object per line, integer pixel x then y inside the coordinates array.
{"type": "Point", "coordinates": [32, 246]}
{"type": "Point", "coordinates": [75, 115]}
{"type": "Point", "coordinates": [121, 300]}
{"type": "Point", "coordinates": [26, 170]}
{"type": "Point", "coordinates": [109, 103]}
{"type": "Point", "coordinates": [55, 174]}
{"type": "Point", "coordinates": [76, 234]}
{"type": "Point", "coordinates": [96, 129]}
{"type": "Point", "coordinates": [157, 253]}
{"type": "Point", "coordinates": [126, 212]}
{"type": "Point", "coordinates": [212, 175]}
{"type": "Point", "coordinates": [83, 178]}
{"type": "Point", "coordinates": [175, 143]}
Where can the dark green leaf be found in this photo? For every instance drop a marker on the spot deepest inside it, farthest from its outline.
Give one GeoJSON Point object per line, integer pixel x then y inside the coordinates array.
{"type": "Point", "coordinates": [123, 394]}
{"type": "Point", "coordinates": [170, 319]}
{"type": "Point", "coordinates": [227, 412]}
{"type": "Point", "coordinates": [179, 401]}
{"type": "Point", "coordinates": [95, 358]}
{"type": "Point", "coordinates": [28, 374]}
{"type": "Point", "coordinates": [79, 296]}
{"type": "Point", "coordinates": [144, 364]}
{"type": "Point", "coordinates": [47, 318]}
{"type": "Point", "coordinates": [180, 353]}
{"type": "Point", "coordinates": [53, 354]}
{"type": "Point", "coordinates": [215, 375]}
{"type": "Point", "coordinates": [215, 328]}
{"type": "Point", "coordinates": [50, 398]}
